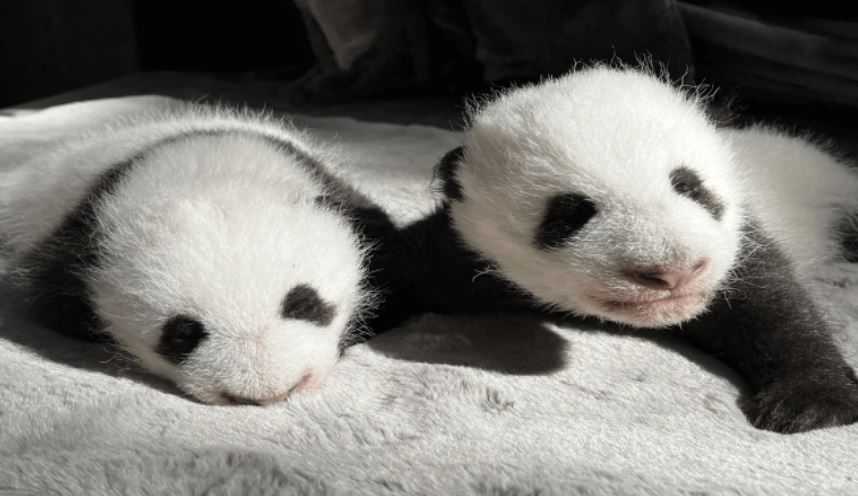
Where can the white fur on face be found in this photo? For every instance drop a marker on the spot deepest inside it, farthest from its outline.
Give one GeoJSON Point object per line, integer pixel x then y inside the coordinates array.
{"type": "Point", "coordinates": [613, 136]}
{"type": "Point", "coordinates": [190, 233]}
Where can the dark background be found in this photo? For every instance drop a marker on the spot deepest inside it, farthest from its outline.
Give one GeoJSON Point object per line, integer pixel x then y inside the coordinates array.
{"type": "Point", "coordinates": [797, 63]}
{"type": "Point", "coordinates": [50, 46]}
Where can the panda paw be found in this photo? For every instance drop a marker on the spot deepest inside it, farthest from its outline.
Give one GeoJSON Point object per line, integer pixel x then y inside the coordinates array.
{"type": "Point", "coordinates": [808, 401]}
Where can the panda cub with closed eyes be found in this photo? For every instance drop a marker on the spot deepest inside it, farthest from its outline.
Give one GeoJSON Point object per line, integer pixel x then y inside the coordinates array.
{"type": "Point", "coordinates": [214, 246]}
{"type": "Point", "coordinates": [609, 193]}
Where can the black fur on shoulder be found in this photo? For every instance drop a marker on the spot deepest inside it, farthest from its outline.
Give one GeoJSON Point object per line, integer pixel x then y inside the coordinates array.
{"type": "Point", "coordinates": [425, 267]}
{"type": "Point", "coordinates": [56, 269]}
{"type": "Point", "coordinates": [767, 327]}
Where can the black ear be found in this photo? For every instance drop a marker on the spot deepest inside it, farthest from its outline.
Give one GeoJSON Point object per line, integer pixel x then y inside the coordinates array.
{"type": "Point", "coordinates": [724, 111]}
{"type": "Point", "coordinates": [445, 174]}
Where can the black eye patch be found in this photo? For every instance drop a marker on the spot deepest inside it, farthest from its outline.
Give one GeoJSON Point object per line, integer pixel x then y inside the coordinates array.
{"type": "Point", "coordinates": [687, 183]}
{"type": "Point", "coordinates": [564, 216]}
{"type": "Point", "coordinates": [303, 303]}
{"type": "Point", "coordinates": [180, 337]}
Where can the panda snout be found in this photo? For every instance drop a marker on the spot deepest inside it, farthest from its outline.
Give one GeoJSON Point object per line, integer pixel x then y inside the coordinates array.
{"type": "Point", "coordinates": [667, 278]}
{"type": "Point", "coordinates": [233, 399]}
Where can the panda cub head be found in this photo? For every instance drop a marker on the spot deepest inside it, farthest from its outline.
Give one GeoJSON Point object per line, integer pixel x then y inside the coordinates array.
{"type": "Point", "coordinates": [605, 193]}
{"type": "Point", "coordinates": [239, 287]}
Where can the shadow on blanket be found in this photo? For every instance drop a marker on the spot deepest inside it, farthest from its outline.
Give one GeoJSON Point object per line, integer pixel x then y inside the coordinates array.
{"type": "Point", "coordinates": [674, 341]}
{"type": "Point", "coordinates": [18, 328]}
{"type": "Point", "coordinates": [518, 345]}
{"type": "Point", "coordinates": [507, 344]}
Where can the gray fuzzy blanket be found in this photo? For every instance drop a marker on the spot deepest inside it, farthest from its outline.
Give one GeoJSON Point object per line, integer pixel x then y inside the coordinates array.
{"type": "Point", "coordinates": [498, 405]}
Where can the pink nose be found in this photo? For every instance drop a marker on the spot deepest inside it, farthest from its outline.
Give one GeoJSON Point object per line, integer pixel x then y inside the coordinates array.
{"type": "Point", "coordinates": [668, 278]}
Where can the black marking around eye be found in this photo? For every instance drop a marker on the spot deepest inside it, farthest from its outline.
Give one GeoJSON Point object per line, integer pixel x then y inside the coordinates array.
{"type": "Point", "coordinates": [687, 183]}
{"type": "Point", "coordinates": [445, 171]}
{"type": "Point", "coordinates": [303, 303]}
{"type": "Point", "coordinates": [180, 337]}
{"type": "Point", "coordinates": [564, 216]}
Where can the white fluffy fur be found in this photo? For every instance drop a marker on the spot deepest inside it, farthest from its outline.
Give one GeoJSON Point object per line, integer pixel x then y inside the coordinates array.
{"type": "Point", "coordinates": [216, 227]}
{"type": "Point", "coordinates": [614, 135]}
{"type": "Point", "coordinates": [800, 192]}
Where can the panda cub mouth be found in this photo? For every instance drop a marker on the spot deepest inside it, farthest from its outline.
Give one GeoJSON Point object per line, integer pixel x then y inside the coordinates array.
{"type": "Point", "coordinates": [653, 310]}
{"type": "Point", "coordinates": [636, 303]}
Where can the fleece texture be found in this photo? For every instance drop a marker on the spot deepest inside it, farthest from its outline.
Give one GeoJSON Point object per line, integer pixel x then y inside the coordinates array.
{"type": "Point", "coordinates": [499, 405]}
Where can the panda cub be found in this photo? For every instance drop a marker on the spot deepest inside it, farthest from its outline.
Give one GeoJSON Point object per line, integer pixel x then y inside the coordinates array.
{"type": "Point", "coordinates": [214, 246]}
{"type": "Point", "coordinates": [609, 193]}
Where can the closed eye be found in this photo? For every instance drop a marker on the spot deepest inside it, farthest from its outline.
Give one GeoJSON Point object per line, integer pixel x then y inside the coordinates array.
{"type": "Point", "coordinates": [180, 336]}
{"type": "Point", "coordinates": [564, 216]}
{"type": "Point", "coordinates": [687, 183]}
{"type": "Point", "coordinates": [304, 303]}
